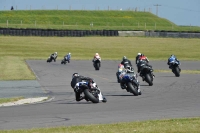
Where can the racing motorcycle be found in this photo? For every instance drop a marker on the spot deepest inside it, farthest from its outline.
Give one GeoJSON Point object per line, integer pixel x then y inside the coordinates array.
{"type": "Point", "coordinates": [131, 82]}
{"type": "Point", "coordinates": [92, 93]}
{"type": "Point", "coordinates": [146, 72]}
{"type": "Point", "coordinates": [50, 58]}
{"type": "Point", "coordinates": [65, 60]}
{"type": "Point", "coordinates": [97, 63]}
{"type": "Point", "coordinates": [174, 65]}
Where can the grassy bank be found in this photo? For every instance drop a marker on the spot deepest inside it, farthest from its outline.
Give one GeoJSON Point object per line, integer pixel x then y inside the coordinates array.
{"type": "Point", "coordinates": [14, 50]}
{"type": "Point", "coordinates": [191, 125]}
{"type": "Point", "coordinates": [82, 20]}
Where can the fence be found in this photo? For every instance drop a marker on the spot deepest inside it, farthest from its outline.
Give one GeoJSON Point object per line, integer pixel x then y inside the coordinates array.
{"type": "Point", "coordinates": [95, 25]}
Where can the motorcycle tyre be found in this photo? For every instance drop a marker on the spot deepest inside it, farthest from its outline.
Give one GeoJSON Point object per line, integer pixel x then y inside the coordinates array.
{"type": "Point", "coordinates": [97, 66]}
{"type": "Point", "coordinates": [132, 89]}
{"type": "Point", "coordinates": [177, 72]}
{"type": "Point", "coordinates": [90, 96]}
{"type": "Point", "coordinates": [148, 79]}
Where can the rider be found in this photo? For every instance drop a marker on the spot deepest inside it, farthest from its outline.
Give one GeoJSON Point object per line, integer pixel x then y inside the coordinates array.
{"type": "Point", "coordinates": [137, 58]}
{"type": "Point", "coordinates": [174, 58]}
{"type": "Point", "coordinates": [143, 60]}
{"type": "Point", "coordinates": [97, 56]}
{"type": "Point", "coordinates": [79, 78]}
{"type": "Point", "coordinates": [120, 70]}
{"type": "Point", "coordinates": [126, 62]}
{"type": "Point", "coordinates": [54, 56]}
{"type": "Point", "coordinates": [67, 57]}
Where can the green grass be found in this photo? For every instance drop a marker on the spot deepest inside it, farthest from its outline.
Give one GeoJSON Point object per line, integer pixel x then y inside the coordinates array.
{"type": "Point", "coordinates": [7, 100]}
{"type": "Point", "coordinates": [186, 125]}
{"type": "Point", "coordinates": [14, 50]}
{"type": "Point", "coordinates": [81, 19]}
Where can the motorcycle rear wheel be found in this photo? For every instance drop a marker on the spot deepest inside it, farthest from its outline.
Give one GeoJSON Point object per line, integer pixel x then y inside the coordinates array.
{"type": "Point", "coordinates": [148, 79]}
{"type": "Point", "coordinates": [90, 96]}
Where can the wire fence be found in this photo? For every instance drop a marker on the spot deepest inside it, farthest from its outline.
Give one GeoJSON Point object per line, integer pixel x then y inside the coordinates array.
{"type": "Point", "coordinates": [95, 25]}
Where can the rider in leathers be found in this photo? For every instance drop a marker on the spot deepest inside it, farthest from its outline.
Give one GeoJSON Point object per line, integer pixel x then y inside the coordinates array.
{"type": "Point", "coordinates": [78, 78]}
{"type": "Point", "coordinates": [54, 56]}
{"type": "Point", "coordinates": [173, 56]}
{"type": "Point", "coordinates": [126, 62]}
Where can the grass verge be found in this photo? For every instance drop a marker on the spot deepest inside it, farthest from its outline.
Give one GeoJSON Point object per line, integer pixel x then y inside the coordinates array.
{"type": "Point", "coordinates": [182, 71]}
{"type": "Point", "coordinates": [186, 125]}
{"type": "Point", "coordinates": [7, 100]}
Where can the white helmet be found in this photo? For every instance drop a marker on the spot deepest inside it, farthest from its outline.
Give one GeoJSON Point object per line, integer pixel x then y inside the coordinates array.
{"type": "Point", "coordinates": [139, 54]}
{"type": "Point", "coordinates": [56, 52]}
{"type": "Point", "coordinates": [96, 54]}
{"type": "Point", "coordinates": [69, 53]}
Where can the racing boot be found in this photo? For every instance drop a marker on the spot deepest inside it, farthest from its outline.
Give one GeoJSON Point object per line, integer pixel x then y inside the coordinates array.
{"type": "Point", "coordinates": [122, 86]}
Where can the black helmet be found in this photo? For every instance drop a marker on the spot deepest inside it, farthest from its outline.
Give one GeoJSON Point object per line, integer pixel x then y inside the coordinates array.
{"type": "Point", "coordinates": [75, 75]}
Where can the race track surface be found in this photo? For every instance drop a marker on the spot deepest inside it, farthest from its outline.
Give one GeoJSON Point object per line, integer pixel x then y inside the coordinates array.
{"type": "Point", "coordinates": [169, 97]}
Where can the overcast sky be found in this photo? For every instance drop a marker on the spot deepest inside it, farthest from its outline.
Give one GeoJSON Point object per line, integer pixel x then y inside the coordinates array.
{"type": "Point", "coordinates": [180, 12]}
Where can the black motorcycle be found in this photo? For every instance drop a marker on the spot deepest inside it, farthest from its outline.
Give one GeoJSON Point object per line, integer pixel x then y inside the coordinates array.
{"type": "Point", "coordinates": [146, 72]}
{"type": "Point", "coordinates": [92, 94]}
{"type": "Point", "coordinates": [97, 63]}
{"type": "Point", "coordinates": [50, 59]}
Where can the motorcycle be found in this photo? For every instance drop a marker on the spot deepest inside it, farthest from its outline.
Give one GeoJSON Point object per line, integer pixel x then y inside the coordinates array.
{"type": "Point", "coordinates": [97, 63]}
{"type": "Point", "coordinates": [146, 73]}
{"type": "Point", "coordinates": [92, 93]}
{"type": "Point", "coordinates": [131, 83]}
{"type": "Point", "coordinates": [50, 58]}
{"type": "Point", "coordinates": [65, 60]}
{"type": "Point", "coordinates": [174, 65]}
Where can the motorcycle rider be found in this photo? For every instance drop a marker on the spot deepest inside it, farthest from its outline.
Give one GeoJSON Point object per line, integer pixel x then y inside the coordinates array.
{"type": "Point", "coordinates": [54, 56]}
{"type": "Point", "coordinates": [96, 56]}
{"type": "Point", "coordinates": [76, 78]}
{"type": "Point", "coordinates": [143, 60]}
{"type": "Point", "coordinates": [137, 58]}
{"type": "Point", "coordinates": [126, 62]}
{"type": "Point", "coordinates": [123, 73]}
{"type": "Point", "coordinates": [174, 58]}
{"type": "Point", "coordinates": [79, 78]}
{"type": "Point", "coordinates": [67, 57]}
{"type": "Point", "coordinates": [120, 70]}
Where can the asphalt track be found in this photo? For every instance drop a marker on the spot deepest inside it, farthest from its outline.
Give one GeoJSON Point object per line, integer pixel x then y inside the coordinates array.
{"type": "Point", "coordinates": [169, 97]}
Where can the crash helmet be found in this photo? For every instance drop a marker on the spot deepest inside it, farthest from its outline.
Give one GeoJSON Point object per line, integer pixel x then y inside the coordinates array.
{"type": "Point", "coordinates": [56, 53]}
{"type": "Point", "coordinates": [69, 53]}
{"type": "Point", "coordinates": [124, 58]}
{"type": "Point", "coordinates": [129, 69]}
{"type": "Point", "coordinates": [139, 54]}
{"type": "Point", "coordinates": [75, 75]}
{"type": "Point", "coordinates": [97, 54]}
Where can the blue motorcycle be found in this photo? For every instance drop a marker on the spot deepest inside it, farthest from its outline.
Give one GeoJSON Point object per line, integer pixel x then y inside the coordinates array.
{"type": "Point", "coordinates": [132, 84]}
{"type": "Point", "coordinates": [65, 60]}
{"type": "Point", "coordinates": [174, 65]}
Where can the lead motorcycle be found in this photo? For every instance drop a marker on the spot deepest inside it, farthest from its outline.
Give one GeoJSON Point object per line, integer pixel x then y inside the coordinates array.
{"type": "Point", "coordinates": [92, 93]}
{"type": "Point", "coordinates": [131, 82]}
{"type": "Point", "coordinates": [50, 58]}
{"type": "Point", "coordinates": [146, 72]}
{"type": "Point", "coordinates": [174, 65]}
{"type": "Point", "coordinates": [97, 63]}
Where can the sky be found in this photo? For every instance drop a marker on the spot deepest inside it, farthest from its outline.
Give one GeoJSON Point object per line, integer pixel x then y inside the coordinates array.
{"type": "Point", "coordinates": [180, 12]}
